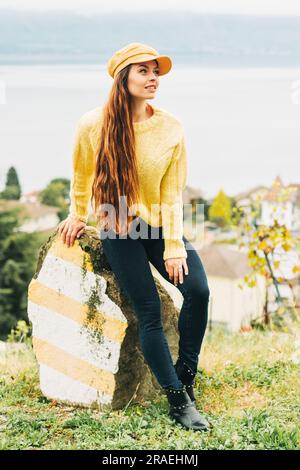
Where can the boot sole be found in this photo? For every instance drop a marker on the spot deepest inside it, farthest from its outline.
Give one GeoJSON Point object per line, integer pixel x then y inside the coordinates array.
{"type": "Point", "coordinates": [187, 427]}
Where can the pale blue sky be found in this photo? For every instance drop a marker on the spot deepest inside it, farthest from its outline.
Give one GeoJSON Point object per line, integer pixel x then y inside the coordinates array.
{"type": "Point", "coordinates": [257, 7]}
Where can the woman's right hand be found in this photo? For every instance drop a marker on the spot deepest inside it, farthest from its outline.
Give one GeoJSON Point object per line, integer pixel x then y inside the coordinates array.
{"type": "Point", "coordinates": [70, 228]}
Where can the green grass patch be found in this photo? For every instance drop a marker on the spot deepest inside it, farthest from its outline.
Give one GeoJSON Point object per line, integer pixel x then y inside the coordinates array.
{"type": "Point", "coordinates": [247, 386]}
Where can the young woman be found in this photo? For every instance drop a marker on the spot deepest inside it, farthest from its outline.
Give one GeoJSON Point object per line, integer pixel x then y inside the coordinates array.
{"type": "Point", "coordinates": [135, 151]}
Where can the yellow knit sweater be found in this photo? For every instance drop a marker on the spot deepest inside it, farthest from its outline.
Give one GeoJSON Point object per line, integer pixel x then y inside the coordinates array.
{"type": "Point", "coordinates": [162, 166]}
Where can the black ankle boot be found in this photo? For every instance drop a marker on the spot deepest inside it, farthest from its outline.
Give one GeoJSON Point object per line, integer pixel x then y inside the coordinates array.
{"type": "Point", "coordinates": [186, 376]}
{"type": "Point", "coordinates": [183, 410]}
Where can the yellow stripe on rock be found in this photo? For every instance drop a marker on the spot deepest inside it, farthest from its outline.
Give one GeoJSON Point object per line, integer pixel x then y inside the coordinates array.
{"type": "Point", "coordinates": [80, 370]}
{"type": "Point", "coordinates": [70, 308]}
{"type": "Point", "coordinates": [73, 254]}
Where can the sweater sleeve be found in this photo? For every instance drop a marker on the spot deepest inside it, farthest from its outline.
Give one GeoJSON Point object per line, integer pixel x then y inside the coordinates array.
{"type": "Point", "coordinates": [83, 166]}
{"type": "Point", "coordinates": [172, 185]}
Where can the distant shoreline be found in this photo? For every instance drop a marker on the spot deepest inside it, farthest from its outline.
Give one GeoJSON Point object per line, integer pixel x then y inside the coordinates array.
{"type": "Point", "coordinates": [189, 60]}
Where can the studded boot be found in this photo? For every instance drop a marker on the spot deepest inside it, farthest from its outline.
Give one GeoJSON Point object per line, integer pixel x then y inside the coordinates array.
{"type": "Point", "coordinates": [183, 411]}
{"type": "Point", "coordinates": [186, 376]}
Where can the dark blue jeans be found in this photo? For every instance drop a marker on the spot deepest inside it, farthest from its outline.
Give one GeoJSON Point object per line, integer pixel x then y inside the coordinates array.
{"type": "Point", "coordinates": [129, 259]}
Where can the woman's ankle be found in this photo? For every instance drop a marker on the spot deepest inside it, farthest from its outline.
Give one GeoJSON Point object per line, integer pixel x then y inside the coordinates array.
{"type": "Point", "coordinates": [175, 387]}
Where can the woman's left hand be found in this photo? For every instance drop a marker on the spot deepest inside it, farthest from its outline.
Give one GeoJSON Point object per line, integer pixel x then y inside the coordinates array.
{"type": "Point", "coordinates": [174, 267]}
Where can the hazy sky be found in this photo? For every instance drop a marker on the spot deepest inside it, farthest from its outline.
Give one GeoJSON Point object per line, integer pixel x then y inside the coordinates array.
{"type": "Point", "coordinates": [257, 7]}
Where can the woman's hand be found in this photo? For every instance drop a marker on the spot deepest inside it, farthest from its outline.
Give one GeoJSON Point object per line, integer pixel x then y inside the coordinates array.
{"type": "Point", "coordinates": [174, 267]}
{"type": "Point", "coordinates": [70, 228]}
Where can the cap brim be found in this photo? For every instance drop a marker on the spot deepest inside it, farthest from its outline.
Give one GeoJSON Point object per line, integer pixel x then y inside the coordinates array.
{"type": "Point", "coordinates": [164, 62]}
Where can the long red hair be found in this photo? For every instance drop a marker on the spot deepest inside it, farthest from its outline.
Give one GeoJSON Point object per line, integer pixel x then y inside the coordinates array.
{"type": "Point", "coordinates": [116, 172]}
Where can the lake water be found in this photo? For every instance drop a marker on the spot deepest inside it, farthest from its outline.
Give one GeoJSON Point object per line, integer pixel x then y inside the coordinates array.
{"type": "Point", "coordinates": [242, 125]}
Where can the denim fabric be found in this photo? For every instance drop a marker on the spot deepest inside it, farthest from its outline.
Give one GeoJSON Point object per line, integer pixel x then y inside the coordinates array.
{"type": "Point", "coordinates": [129, 259]}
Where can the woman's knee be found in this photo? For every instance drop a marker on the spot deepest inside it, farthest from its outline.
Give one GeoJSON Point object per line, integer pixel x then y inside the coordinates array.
{"type": "Point", "coordinates": [199, 291]}
{"type": "Point", "coordinates": [148, 312]}
{"type": "Point", "coordinates": [151, 305]}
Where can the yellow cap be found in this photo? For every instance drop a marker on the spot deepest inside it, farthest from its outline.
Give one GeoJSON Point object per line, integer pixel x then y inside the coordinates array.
{"type": "Point", "coordinates": [134, 53]}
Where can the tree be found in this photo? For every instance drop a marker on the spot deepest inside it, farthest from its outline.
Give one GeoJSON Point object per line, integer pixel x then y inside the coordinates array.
{"type": "Point", "coordinates": [220, 210]}
{"type": "Point", "coordinates": [56, 194]}
{"type": "Point", "coordinates": [12, 187]}
{"type": "Point", "coordinates": [265, 245]}
{"type": "Point", "coordinates": [18, 252]}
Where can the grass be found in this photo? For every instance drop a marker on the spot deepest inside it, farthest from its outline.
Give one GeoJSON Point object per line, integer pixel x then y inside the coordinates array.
{"type": "Point", "coordinates": [247, 386]}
